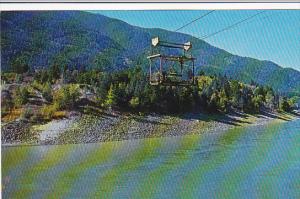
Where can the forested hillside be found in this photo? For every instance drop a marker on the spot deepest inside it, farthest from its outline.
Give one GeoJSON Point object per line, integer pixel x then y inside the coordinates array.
{"type": "Point", "coordinates": [81, 40]}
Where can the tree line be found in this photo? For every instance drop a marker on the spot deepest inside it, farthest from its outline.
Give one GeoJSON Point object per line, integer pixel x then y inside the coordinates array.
{"type": "Point", "coordinates": [130, 90]}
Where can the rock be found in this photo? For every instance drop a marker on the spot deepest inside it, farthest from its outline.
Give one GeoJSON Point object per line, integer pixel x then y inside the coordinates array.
{"type": "Point", "coordinates": [14, 131]}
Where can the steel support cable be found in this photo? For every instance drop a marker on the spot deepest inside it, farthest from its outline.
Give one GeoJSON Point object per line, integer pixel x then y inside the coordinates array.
{"type": "Point", "coordinates": [231, 26]}
{"type": "Point", "coordinates": [187, 24]}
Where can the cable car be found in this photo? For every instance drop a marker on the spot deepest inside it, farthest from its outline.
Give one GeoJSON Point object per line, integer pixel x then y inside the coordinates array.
{"type": "Point", "coordinates": [171, 63]}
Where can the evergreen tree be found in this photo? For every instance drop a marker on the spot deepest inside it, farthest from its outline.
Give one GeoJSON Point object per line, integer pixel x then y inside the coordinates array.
{"type": "Point", "coordinates": [111, 99]}
{"type": "Point", "coordinates": [20, 64]}
{"type": "Point", "coordinates": [284, 105]}
{"type": "Point", "coordinates": [54, 72]}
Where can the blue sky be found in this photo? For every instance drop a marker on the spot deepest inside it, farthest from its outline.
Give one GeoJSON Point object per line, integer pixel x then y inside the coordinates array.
{"type": "Point", "coordinates": [273, 35]}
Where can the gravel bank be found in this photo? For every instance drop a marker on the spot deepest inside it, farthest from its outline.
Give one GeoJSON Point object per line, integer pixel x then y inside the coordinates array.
{"type": "Point", "coordinates": [88, 128]}
{"type": "Point", "coordinates": [15, 132]}
{"type": "Point", "coordinates": [53, 129]}
{"type": "Point", "coordinates": [112, 126]}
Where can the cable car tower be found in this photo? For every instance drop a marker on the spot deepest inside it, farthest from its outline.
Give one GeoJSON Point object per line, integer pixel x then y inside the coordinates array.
{"type": "Point", "coordinates": [171, 64]}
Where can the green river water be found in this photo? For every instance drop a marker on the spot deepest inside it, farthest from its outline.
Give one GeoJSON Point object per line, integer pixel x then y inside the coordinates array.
{"type": "Point", "coordinates": [261, 161]}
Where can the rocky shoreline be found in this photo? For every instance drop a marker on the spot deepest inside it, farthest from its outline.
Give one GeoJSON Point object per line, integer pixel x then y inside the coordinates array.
{"type": "Point", "coordinates": [113, 126]}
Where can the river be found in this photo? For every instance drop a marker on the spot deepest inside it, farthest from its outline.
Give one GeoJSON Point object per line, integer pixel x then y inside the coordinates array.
{"type": "Point", "coordinates": [260, 161]}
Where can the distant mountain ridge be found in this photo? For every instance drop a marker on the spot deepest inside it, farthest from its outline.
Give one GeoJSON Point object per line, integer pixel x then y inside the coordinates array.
{"type": "Point", "coordinates": [82, 39]}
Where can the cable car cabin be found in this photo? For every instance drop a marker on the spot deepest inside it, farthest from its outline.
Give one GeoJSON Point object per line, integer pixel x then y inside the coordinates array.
{"type": "Point", "coordinates": [176, 69]}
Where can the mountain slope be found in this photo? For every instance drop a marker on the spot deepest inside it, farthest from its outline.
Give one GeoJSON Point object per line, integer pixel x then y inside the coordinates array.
{"type": "Point", "coordinates": [81, 39]}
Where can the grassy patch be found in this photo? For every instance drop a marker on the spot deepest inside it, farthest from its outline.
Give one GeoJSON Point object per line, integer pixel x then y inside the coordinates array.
{"type": "Point", "coordinates": [12, 115]}
{"type": "Point", "coordinates": [248, 119]}
{"type": "Point", "coordinates": [59, 114]}
{"type": "Point", "coordinates": [286, 116]}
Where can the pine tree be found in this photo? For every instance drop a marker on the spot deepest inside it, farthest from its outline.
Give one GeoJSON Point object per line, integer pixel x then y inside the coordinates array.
{"type": "Point", "coordinates": [284, 105]}
{"type": "Point", "coordinates": [111, 98]}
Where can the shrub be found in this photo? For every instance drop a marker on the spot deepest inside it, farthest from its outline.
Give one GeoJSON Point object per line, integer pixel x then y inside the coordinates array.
{"type": "Point", "coordinates": [6, 104]}
{"type": "Point", "coordinates": [8, 77]}
{"type": "Point", "coordinates": [284, 105]}
{"type": "Point", "coordinates": [42, 76]}
{"type": "Point", "coordinates": [36, 117]}
{"type": "Point", "coordinates": [67, 96]}
{"type": "Point", "coordinates": [19, 78]}
{"type": "Point", "coordinates": [27, 113]}
{"type": "Point", "coordinates": [47, 92]}
{"type": "Point", "coordinates": [59, 114]}
{"type": "Point", "coordinates": [134, 102]}
{"type": "Point", "coordinates": [20, 96]}
{"type": "Point", "coordinates": [5, 109]}
{"type": "Point", "coordinates": [48, 111]}
{"type": "Point", "coordinates": [88, 110]}
{"type": "Point", "coordinates": [36, 85]}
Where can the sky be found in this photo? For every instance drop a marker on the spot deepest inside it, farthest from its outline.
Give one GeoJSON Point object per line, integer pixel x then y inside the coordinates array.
{"type": "Point", "coordinates": [273, 35]}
